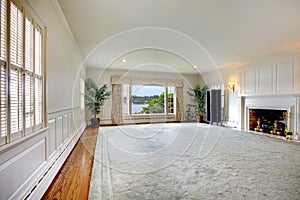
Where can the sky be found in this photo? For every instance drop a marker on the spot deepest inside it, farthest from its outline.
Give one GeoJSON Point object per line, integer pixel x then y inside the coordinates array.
{"type": "Point", "coordinates": [139, 90]}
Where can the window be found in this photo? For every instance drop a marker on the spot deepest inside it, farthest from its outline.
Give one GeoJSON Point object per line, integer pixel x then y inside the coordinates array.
{"type": "Point", "coordinates": [21, 72]}
{"type": "Point", "coordinates": [148, 99]}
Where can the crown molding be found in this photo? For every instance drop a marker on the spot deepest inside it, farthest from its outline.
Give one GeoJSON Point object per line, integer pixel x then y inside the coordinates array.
{"type": "Point", "coordinates": [66, 25]}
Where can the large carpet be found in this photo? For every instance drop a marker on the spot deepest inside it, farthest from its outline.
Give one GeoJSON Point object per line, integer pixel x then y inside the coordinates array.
{"type": "Point", "coordinates": [192, 161]}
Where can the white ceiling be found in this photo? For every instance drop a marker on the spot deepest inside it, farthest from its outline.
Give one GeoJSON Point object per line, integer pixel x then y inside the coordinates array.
{"type": "Point", "coordinates": [178, 34]}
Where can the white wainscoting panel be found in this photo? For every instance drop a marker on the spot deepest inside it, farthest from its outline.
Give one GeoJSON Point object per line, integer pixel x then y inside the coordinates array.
{"type": "Point", "coordinates": [65, 127]}
{"type": "Point", "coordinates": [250, 81]}
{"type": "Point", "coordinates": [285, 77]}
{"type": "Point", "coordinates": [265, 79]}
{"type": "Point", "coordinates": [51, 136]}
{"type": "Point", "coordinates": [70, 130]}
{"type": "Point", "coordinates": [59, 131]}
{"type": "Point", "coordinates": [28, 166]}
{"type": "Point", "coordinates": [17, 171]}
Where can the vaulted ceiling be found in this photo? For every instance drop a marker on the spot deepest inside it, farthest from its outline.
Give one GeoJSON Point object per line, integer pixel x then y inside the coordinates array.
{"type": "Point", "coordinates": [161, 34]}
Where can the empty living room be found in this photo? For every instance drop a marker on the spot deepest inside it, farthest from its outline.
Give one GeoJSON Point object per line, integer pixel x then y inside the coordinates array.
{"type": "Point", "coordinates": [113, 99]}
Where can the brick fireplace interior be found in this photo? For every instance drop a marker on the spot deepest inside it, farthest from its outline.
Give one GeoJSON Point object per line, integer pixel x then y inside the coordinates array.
{"type": "Point", "coordinates": [267, 121]}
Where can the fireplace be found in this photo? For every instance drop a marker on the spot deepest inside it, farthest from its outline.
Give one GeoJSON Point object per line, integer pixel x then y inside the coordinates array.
{"type": "Point", "coordinates": [265, 114]}
{"type": "Point", "coordinates": [271, 121]}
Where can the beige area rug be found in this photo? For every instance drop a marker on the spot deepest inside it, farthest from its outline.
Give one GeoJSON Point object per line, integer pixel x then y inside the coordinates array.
{"type": "Point", "coordinates": [192, 161]}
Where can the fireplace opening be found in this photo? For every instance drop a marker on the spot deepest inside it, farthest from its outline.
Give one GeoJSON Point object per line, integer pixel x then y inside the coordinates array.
{"type": "Point", "coordinates": [268, 121]}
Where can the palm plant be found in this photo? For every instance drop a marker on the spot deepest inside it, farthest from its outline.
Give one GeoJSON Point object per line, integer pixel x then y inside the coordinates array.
{"type": "Point", "coordinates": [199, 97]}
{"type": "Point", "coordinates": [95, 96]}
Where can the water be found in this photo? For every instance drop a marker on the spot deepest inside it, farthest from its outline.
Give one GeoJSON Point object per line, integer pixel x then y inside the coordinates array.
{"type": "Point", "coordinates": [136, 108]}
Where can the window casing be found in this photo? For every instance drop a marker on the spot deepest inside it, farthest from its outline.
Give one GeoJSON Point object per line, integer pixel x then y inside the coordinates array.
{"type": "Point", "coordinates": [21, 72]}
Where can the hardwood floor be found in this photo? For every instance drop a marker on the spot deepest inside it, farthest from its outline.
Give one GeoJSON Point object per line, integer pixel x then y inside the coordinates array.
{"type": "Point", "coordinates": [73, 179]}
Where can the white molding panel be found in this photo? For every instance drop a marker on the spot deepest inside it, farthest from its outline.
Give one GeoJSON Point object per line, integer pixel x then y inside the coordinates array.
{"type": "Point", "coordinates": [28, 167]}
{"type": "Point", "coordinates": [59, 135]}
{"type": "Point", "coordinates": [250, 81]}
{"type": "Point", "coordinates": [285, 77]}
{"type": "Point", "coordinates": [51, 136]}
{"type": "Point", "coordinates": [265, 79]}
{"type": "Point", "coordinates": [65, 127]}
{"type": "Point", "coordinates": [18, 163]}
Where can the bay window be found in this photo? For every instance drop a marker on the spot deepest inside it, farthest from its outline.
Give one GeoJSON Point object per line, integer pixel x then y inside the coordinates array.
{"type": "Point", "coordinates": [144, 98]}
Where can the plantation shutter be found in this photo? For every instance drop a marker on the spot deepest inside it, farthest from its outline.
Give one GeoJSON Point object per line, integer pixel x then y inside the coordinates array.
{"type": "Point", "coordinates": [16, 35]}
{"type": "Point", "coordinates": [3, 76]}
{"type": "Point", "coordinates": [38, 78]}
{"type": "Point", "coordinates": [3, 109]}
{"type": "Point", "coordinates": [3, 30]}
{"type": "Point", "coordinates": [16, 61]}
{"type": "Point", "coordinates": [28, 84]}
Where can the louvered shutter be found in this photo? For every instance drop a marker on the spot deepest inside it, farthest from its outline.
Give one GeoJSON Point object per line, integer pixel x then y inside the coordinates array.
{"type": "Point", "coordinates": [38, 78]}
{"type": "Point", "coordinates": [3, 30]}
{"type": "Point", "coordinates": [3, 75]}
{"type": "Point", "coordinates": [16, 35]}
{"type": "Point", "coordinates": [16, 61]}
{"type": "Point", "coordinates": [28, 84]}
{"type": "Point", "coordinates": [3, 108]}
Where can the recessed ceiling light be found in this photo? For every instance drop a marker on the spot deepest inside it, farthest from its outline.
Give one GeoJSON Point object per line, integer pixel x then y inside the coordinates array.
{"type": "Point", "coordinates": [124, 60]}
{"type": "Point", "coordinates": [195, 66]}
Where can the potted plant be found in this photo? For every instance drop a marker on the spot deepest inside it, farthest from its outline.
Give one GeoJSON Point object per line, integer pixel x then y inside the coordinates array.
{"type": "Point", "coordinates": [95, 98]}
{"type": "Point", "coordinates": [199, 97]}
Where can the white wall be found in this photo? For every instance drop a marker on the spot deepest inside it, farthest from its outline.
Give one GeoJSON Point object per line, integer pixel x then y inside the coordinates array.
{"type": "Point", "coordinates": [102, 76]}
{"type": "Point", "coordinates": [27, 167]}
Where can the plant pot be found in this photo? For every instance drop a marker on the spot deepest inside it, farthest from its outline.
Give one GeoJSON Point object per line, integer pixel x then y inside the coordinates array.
{"type": "Point", "coordinates": [95, 122]}
{"type": "Point", "coordinates": [200, 118]}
